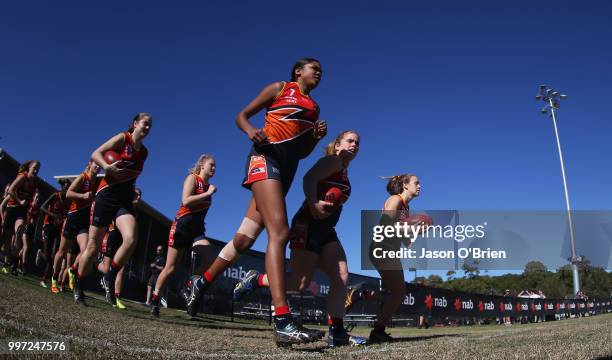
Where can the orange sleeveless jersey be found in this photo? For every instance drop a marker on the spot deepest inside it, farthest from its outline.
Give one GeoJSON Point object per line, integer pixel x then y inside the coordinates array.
{"type": "Point", "coordinates": [26, 192]}
{"type": "Point", "coordinates": [133, 158]}
{"type": "Point", "coordinates": [86, 186]}
{"type": "Point", "coordinates": [200, 188]}
{"type": "Point", "coordinates": [55, 207]}
{"type": "Point", "coordinates": [290, 115]}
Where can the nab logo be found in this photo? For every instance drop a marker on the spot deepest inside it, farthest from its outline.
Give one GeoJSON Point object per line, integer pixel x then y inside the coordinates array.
{"type": "Point", "coordinates": [314, 288]}
{"type": "Point", "coordinates": [234, 273]}
{"type": "Point", "coordinates": [440, 302]}
{"type": "Point", "coordinates": [467, 304]}
{"type": "Point", "coordinates": [324, 289]}
{"type": "Point", "coordinates": [128, 150]}
{"type": "Point", "coordinates": [409, 300]}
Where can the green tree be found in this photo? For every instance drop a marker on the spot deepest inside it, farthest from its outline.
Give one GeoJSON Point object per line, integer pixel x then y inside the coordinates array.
{"type": "Point", "coordinates": [534, 267]}
{"type": "Point", "coordinates": [450, 274]}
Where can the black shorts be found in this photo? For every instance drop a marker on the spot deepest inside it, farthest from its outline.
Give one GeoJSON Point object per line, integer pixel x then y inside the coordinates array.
{"type": "Point", "coordinates": [153, 280]}
{"type": "Point", "coordinates": [274, 161]}
{"type": "Point", "coordinates": [29, 230]}
{"type": "Point", "coordinates": [13, 213]}
{"type": "Point", "coordinates": [75, 249]}
{"type": "Point", "coordinates": [76, 223]}
{"type": "Point", "coordinates": [111, 202]}
{"type": "Point", "coordinates": [185, 230]}
{"type": "Point", "coordinates": [51, 235]}
{"type": "Point", "coordinates": [310, 234]}
{"type": "Point", "coordinates": [112, 243]}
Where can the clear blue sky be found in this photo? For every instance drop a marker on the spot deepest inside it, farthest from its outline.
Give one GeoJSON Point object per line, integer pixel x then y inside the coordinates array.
{"type": "Point", "coordinates": [444, 90]}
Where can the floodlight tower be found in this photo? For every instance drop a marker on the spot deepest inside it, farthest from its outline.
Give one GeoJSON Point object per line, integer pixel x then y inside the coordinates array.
{"type": "Point", "coordinates": [552, 99]}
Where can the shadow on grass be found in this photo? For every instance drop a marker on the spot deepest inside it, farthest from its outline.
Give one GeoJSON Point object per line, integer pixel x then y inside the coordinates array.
{"type": "Point", "coordinates": [422, 338]}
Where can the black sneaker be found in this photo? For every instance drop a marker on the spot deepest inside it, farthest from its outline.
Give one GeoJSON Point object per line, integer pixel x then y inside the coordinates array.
{"type": "Point", "coordinates": [290, 332]}
{"type": "Point", "coordinates": [108, 283]}
{"type": "Point", "coordinates": [198, 284]}
{"type": "Point", "coordinates": [14, 270]}
{"type": "Point", "coordinates": [246, 284]}
{"type": "Point", "coordinates": [338, 336]}
{"type": "Point", "coordinates": [186, 290]}
{"type": "Point", "coordinates": [320, 333]}
{"type": "Point", "coordinates": [154, 307]}
{"type": "Point", "coordinates": [379, 336]}
{"type": "Point", "coordinates": [79, 296]}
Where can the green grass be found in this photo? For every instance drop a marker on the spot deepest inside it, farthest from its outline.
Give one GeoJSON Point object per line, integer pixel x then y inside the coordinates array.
{"type": "Point", "coordinates": [28, 311]}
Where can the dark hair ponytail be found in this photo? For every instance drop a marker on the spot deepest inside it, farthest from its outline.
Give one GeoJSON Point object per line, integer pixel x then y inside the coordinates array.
{"type": "Point", "coordinates": [25, 166]}
{"type": "Point", "coordinates": [396, 183]}
{"type": "Point", "coordinates": [300, 64]}
{"type": "Point", "coordinates": [138, 117]}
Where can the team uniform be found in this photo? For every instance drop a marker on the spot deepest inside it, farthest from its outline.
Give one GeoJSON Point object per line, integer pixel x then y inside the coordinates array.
{"type": "Point", "coordinates": [288, 123]}
{"type": "Point", "coordinates": [77, 220]}
{"type": "Point", "coordinates": [52, 228]}
{"type": "Point", "coordinates": [112, 240]}
{"type": "Point", "coordinates": [313, 234]}
{"type": "Point", "coordinates": [189, 223]}
{"type": "Point", "coordinates": [30, 222]}
{"type": "Point", "coordinates": [14, 210]}
{"type": "Point", "coordinates": [390, 243]}
{"type": "Point", "coordinates": [113, 197]}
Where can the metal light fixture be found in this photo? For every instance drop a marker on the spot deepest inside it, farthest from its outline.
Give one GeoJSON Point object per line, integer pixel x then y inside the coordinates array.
{"type": "Point", "coordinates": [552, 99]}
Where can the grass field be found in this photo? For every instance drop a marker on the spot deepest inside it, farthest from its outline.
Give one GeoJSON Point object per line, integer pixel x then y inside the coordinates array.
{"type": "Point", "coordinates": [28, 311]}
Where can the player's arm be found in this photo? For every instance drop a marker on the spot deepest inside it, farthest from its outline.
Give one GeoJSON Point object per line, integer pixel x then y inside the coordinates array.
{"type": "Point", "coordinates": [318, 132]}
{"type": "Point", "coordinates": [44, 206]}
{"type": "Point", "coordinates": [115, 143]}
{"type": "Point", "coordinates": [5, 201]}
{"type": "Point", "coordinates": [12, 192]}
{"type": "Point", "coordinates": [325, 167]}
{"type": "Point", "coordinates": [261, 101]}
{"type": "Point", "coordinates": [72, 190]}
{"type": "Point", "coordinates": [391, 209]}
{"type": "Point", "coordinates": [189, 198]}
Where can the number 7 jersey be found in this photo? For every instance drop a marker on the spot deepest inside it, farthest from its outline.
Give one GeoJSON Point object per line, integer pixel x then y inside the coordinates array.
{"type": "Point", "coordinates": [290, 115]}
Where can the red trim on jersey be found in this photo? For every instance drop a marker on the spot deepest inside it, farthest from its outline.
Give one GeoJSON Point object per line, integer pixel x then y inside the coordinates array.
{"type": "Point", "coordinates": [200, 188]}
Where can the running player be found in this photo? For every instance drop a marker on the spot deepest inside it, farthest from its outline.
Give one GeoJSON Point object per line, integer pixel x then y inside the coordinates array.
{"type": "Point", "coordinates": [27, 232]}
{"type": "Point", "coordinates": [188, 224]}
{"type": "Point", "coordinates": [113, 201]}
{"type": "Point", "coordinates": [21, 192]}
{"type": "Point", "coordinates": [402, 188]}
{"type": "Point", "coordinates": [313, 238]}
{"type": "Point", "coordinates": [110, 244]}
{"type": "Point", "coordinates": [54, 209]}
{"type": "Point", "coordinates": [5, 200]}
{"type": "Point", "coordinates": [292, 129]}
{"type": "Point", "coordinates": [76, 226]}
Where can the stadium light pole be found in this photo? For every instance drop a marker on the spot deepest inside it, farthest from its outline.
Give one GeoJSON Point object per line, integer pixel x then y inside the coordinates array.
{"type": "Point", "coordinates": [552, 99]}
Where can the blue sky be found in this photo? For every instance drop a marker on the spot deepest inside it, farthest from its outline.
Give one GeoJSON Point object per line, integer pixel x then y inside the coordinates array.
{"type": "Point", "coordinates": [441, 89]}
